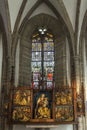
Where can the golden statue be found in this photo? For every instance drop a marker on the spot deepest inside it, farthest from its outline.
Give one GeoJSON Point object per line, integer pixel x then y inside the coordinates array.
{"type": "Point", "coordinates": [42, 109]}
{"type": "Point", "coordinates": [63, 98]}
{"type": "Point", "coordinates": [17, 97]}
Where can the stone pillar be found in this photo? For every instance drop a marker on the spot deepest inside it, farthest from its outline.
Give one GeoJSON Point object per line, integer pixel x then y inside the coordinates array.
{"type": "Point", "coordinates": [84, 76]}
{"type": "Point", "coordinates": [78, 87]}
{"type": "Point", "coordinates": [76, 74]}
{"type": "Point", "coordinates": [6, 85]}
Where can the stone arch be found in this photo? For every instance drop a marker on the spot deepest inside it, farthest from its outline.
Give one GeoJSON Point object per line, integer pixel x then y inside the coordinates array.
{"type": "Point", "coordinates": [50, 23]}
{"type": "Point", "coordinates": [61, 15]}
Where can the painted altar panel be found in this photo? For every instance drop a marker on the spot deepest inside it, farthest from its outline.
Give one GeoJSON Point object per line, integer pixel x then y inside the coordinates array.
{"type": "Point", "coordinates": [64, 110]}
{"type": "Point", "coordinates": [64, 113]}
{"type": "Point", "coordinates": [21, 106]}
{"type": "Point", "coordinates": [42, 105]}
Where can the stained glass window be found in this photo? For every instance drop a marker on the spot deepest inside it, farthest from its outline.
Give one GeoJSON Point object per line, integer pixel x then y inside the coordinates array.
{"type": "Point", "coordinates": [42, 61]}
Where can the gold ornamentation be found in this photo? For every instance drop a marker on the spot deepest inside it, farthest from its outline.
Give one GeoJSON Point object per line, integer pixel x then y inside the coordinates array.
{"type": "Point", "coordinates": [64, 113]}
{"type": "Point", "coordinates": [42, 110]}
{"type": "Point", "coordinates": [21, 114]}
{"type": "Point", "coordinates": [63, 98]}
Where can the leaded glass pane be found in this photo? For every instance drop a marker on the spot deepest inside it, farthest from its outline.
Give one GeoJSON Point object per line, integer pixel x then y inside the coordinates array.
{"type": "Point", "coordinates": [48, 70]}
{"type": "Point", "coordinates": [36, 76]}
{"type": "Point", "coordinates": [49, 84]}
{"type": "Point", "coordinates": [42, 61]}
{"type": "Point", "coordinates": [48, 56]}
{"type": "Point", "coordinates": [35, 84]}
{"type": "Point", "coordinates": [36, 66]}
{"type": "Point", "coordinates": [49, 65]}
{"type": "Point", "coordinates": [36, 46]}
{"type": "Point", "coordinates": [36, 56]}
{"type": "Point", "coordinates": [48, 46]}
{"type": "Point", "coordinates": [49, 76]}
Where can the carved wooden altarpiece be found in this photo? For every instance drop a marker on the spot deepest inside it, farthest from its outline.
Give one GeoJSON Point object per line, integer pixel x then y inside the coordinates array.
{"type": "Point", "coordinates": [42, 106]}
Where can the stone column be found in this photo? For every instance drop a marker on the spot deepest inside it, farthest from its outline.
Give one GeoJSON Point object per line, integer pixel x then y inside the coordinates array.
{"type": "Point", "coordinates": [6, 85]}
{"type": "Point", "coordinates": [84, 76]}
{"type": "Point", "coordinates": [77, 75]}
{"type": "Point", "coordinates": [78, 87]}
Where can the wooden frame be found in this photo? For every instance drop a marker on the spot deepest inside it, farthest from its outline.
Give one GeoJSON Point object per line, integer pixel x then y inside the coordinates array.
{"type": "Point", "coordinates": [26, 107]}
{"type": "Point", "coordinates": [45, 113]}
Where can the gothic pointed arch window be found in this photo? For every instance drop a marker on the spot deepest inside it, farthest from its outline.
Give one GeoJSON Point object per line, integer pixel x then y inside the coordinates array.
{"type": "Point", "coordinates": [42, 60]}
{"type": "Point", "coordinates": [43, 102]}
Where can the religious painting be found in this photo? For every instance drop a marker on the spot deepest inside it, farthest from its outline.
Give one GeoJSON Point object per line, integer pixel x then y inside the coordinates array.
{"type": "Point", "coordinates": [22, 106]}
{"type": "Point", "coordinates": [42, 105]}
{"type": "Point", "coordinates": [64, 113]}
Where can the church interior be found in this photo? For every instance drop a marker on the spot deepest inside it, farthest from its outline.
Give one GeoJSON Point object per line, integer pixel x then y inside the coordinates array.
{"type": "Point", "coordinates": [43, 64]}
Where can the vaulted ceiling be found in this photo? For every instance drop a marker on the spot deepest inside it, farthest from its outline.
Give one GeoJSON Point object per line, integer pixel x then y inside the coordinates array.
{"type": "Point", "coordinates": [72, 12]}
{"type": "Point", "coordinates": [70, 7]}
